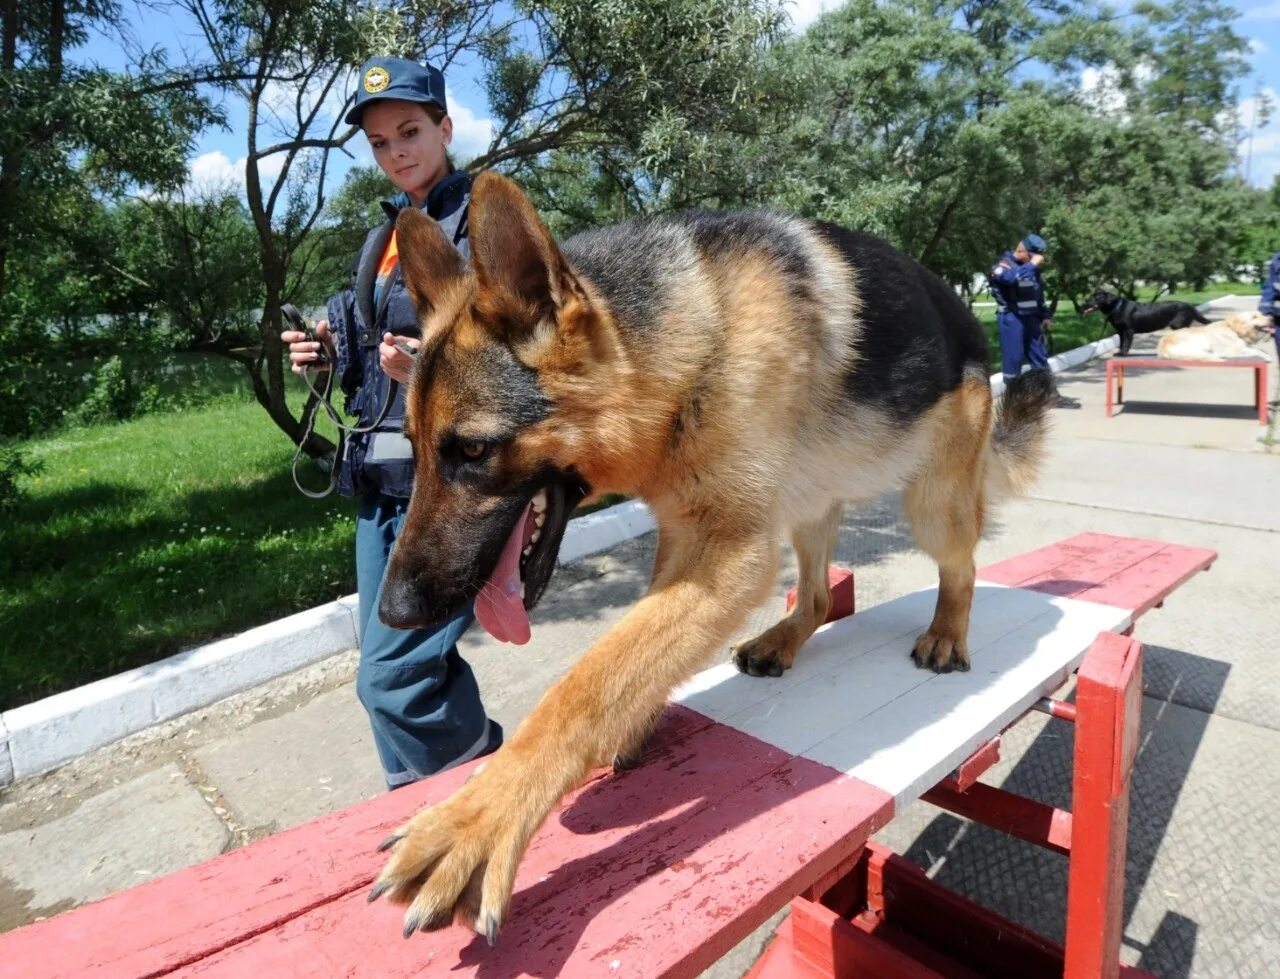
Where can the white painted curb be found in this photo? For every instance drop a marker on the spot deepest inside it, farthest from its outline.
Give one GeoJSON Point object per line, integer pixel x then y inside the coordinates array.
{"type": "Point", "coordinates": [603, 529]}
{"type": "Point", "coordinates": [6, 760]}
{"type": "Point", "coordinates": [37, 737]}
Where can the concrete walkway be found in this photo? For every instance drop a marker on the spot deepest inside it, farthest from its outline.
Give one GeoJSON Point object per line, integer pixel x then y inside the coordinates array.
{"type": "Point", "coordinates": [1202, 899]}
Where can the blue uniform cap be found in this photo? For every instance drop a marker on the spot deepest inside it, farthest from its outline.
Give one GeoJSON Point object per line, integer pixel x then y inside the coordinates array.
{"type": "Point", "coordinates": [1034, 244]}
{"type": "Point", "coordinates": [396, 78]}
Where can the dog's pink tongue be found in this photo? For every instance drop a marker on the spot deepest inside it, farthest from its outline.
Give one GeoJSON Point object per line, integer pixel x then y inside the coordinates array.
{"type": "Point", "coordinates": [500, 606]}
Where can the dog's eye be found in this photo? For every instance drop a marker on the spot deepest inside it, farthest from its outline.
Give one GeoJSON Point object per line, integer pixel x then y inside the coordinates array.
{"type": "Point", "coordinates": [473, 449]}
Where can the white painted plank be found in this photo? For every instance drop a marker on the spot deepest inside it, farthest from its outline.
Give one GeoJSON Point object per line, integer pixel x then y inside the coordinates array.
{"type": "Point", "coordinates": [838, 699]}
{"type": "Point", "coordinates": [721, 691]}
{"type": "Point", "coordinates": [910, 744]}
{"type": "Point", "coordinates": [855, 701]}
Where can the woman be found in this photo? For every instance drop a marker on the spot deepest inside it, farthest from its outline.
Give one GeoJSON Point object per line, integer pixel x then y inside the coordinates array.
{"type": "Point", "coordinates": [422, 697]}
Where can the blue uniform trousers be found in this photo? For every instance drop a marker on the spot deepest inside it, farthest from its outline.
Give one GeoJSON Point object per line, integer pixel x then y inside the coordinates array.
{"type": "Point", "coordinates": [1021, 338]}
{"type": "Point", "coordinates": [421, 695]}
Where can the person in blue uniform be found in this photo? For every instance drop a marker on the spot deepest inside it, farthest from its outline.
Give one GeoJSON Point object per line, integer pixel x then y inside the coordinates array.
{"type": "Point", "coordinates": [421, 695]}
{"type": "Point", "coordinates": [1270, 304]}
{"type": "Point", "coordinates": [1021, 313]}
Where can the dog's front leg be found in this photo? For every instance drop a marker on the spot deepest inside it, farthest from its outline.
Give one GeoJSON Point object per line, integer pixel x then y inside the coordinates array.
{"type": "Point", "coordinates": [458, 859]}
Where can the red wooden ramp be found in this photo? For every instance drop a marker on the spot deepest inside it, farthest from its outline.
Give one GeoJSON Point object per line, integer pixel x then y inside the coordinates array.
{"type": "Point", "coordinates": [661, 870]}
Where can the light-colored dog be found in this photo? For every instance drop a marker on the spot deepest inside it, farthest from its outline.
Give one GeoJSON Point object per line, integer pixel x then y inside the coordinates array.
{"type": "Point", "coordinates": [1233, 337]}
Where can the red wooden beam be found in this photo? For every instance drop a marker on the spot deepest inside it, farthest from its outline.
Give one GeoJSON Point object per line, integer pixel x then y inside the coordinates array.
{"type": "Point", "coordinates": [1108, 719]}
{"type": "Point", "coordinates": [840, 584]}
{"type": "Point", "coordinates": [1016, 815]}
{"type": "Point", "coordinates": [972, 768]}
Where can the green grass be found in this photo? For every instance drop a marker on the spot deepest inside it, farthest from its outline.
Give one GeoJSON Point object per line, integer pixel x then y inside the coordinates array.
{"type": "Point", "coordinates": [140, 539]}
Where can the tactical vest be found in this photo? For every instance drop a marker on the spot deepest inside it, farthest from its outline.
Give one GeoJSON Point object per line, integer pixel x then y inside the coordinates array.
{"type": "Point", "coordinates": [379, 460]}
{"type": "Point", "coordinates": [1023, 297]}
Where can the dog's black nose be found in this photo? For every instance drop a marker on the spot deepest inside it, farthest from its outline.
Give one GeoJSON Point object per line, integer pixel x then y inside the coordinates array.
{"type": "Point", "coordinates": [403, 605]}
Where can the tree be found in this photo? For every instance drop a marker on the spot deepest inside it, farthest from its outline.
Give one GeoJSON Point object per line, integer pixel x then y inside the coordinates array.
{"type": "Point", "coordinates": [1148, 195]}
{"type": "Point", "coordinates": [68, 131]}
{"type": "Point", "coordinates": [1259, 236]}
{"type": "Point", "coordinates": [195, 254]}
{"type": "Point", "coordinates": [576, 76]}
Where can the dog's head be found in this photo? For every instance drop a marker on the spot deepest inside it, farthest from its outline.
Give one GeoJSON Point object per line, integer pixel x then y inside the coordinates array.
{"type": "Point", "coordinates": [1249, 327]}
{"type": "Point", "coordinates": [1100, 301]}
{"type": "Point", "coordinates": [503, 412]}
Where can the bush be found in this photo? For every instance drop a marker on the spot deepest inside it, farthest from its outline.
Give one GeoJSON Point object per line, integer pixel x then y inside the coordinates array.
{"type": "Point", "coordinates": [13, 466]}
{"type": "Point", "coordinates": [114, 396]}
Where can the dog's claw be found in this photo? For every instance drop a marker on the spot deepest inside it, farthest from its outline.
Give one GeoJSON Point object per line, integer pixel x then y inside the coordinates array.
{"type": "Point", "coordinates": [491, 930]}
{"type": "Point", "coordinates": [378, 890]}
{"type": "Point", "coordinates": [389, 842]}
{"type": "Point", "coordinates": [626, 762]}
{"type": "Point", "coordinates": [940, 656]}
{"type": "Point", "coordinates": [411, 924]}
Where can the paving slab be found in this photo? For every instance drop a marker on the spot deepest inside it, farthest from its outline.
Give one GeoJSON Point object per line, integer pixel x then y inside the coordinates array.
{"type": "Point", "coordinates": [301, 765]}
{"type": "Point", "coordinates": [1200, 882]}
{"type": "Point", "coordinates": [140, 829]}
{"type": "Point", "coordinates": [1189, 407]}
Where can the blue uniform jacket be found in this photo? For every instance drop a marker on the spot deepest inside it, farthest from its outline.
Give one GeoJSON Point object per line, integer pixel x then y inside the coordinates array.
{"type": "Point", "coordinates": [380, 461]}
{"type": "Point", "coordinates": [1018, 288]}
{"type": "Point", "coordinates": [1268, 306]}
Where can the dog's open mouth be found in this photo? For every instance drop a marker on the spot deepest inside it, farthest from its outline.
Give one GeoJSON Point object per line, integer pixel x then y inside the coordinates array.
{"type": "Point", "coordinates": [525, 565]}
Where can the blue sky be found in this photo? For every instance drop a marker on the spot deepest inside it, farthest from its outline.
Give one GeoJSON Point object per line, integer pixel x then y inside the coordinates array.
{"type": "Point", "coordinates": [1260, 23]}
{"type": "Point", "coordinates": [219, 154]}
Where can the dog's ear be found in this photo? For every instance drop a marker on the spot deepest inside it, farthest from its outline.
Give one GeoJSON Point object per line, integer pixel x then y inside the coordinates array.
{"type": "Point", "coordinates": [429, 262]}
{"type": "Point", "coordinates": [514, 256]}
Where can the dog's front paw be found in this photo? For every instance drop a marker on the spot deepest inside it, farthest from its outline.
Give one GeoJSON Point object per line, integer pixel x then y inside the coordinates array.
{"type": "Point", "coordinates": [769, 654]}
{"type": "Point", "coordinates": [940, 653]}
{"type": "Point", "coordinates": [457, 860]}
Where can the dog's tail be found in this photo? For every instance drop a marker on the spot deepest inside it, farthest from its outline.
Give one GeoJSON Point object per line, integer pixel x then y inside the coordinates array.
{"type": "Point", "coordinates": [1021, 431]}
{"type": "Point", "coordinates": [1200, 317]}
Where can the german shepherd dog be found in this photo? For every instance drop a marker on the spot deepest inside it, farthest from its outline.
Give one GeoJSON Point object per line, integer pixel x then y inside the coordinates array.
{"type": "Point", "coordinates": [1130, 318]}
{"type": "Point", "coordinates": [746, 374]}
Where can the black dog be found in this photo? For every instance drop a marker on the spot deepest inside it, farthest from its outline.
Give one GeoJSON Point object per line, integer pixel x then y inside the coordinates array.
{"type": "Point", "coordinates": [1130, 318]}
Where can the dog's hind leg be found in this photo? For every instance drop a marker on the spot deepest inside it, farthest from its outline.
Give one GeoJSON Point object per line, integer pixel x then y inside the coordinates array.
{"type": "Point", "coordinates": [946, 506]}
{"type": "Point", "coordinates": [774, 650]}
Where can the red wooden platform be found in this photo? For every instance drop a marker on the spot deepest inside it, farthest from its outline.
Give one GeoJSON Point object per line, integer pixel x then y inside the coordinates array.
{"type": "Point", "coordinates": [657, 871]}
{"type": "Point", "coordinates": [1116, 368]}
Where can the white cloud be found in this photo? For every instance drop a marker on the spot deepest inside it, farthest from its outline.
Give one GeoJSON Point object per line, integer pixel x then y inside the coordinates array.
{"type": "Point", "coordinates": [1257, 47]}
{"type": "Point", "coordinates": [471, 134]}
{"type": "Point", "coordinates": [280, 102]}
{"type": "Point", "coordinates": [214, 171]}
{"type": "Point", "coordinates": [805, 12]}
{"type": "Point", "coordinates": [1260, 146]}
{"type": "Point", "coordinates": [1268, 11]}
{"type": "Point", "coordinates": [1100, 88]}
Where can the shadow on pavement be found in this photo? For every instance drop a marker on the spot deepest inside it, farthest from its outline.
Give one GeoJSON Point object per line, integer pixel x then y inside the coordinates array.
{"type": "Point", "coordinates": [1028, 884]}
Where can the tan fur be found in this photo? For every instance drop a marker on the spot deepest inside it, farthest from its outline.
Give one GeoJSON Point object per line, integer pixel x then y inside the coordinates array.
{"type": "Point", "coordinates": [1247, 326]}
{"type": "Point", "coordinates": [733, 428]}
{"type": "Point", "coordinates": [1217, 341]}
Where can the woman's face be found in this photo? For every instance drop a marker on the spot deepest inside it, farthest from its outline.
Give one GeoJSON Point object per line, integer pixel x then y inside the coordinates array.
{"type": "Point", "coordinates": [408, 144]}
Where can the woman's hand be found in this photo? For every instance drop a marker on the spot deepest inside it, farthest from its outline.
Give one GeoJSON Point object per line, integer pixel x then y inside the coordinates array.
{"type": "Point", "coordinates": [305, 352]}
{"type": "Point", "coordinates": [397, 364]}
